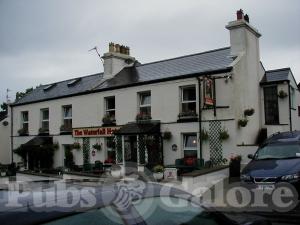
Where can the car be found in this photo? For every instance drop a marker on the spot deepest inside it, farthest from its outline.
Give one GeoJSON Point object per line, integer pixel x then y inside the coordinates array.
{"type": "Point", "coordinates": [131, 202]}
{"type": "Point", "coordinates": [276, 161]}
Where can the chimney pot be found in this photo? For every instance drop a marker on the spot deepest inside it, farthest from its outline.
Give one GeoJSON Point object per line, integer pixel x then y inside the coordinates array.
{"type": "Point", "coordinates": [240, 14]}
{"type": "Point", "coordinates": [111, 47]}
{"type": "Point", "coordinates": [246, 17]}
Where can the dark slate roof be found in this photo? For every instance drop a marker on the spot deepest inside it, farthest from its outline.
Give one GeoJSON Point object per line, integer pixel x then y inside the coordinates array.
{"type": "Point", "coordinates": [278, 75]}
{"type": "Point", "coordinates": [185, 66]}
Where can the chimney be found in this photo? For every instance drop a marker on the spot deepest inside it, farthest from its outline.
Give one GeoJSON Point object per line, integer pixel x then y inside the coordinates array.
{"type": "Point", "coordinates": [117, 58]}
{"type": "Point", "coordinates": [243, 36]}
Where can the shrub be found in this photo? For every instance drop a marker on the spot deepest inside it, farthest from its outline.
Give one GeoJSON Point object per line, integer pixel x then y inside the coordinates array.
{"type": "Point", "coordinates": [158, 169]}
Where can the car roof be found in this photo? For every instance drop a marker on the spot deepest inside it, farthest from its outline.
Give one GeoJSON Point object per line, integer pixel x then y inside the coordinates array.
{"type": "Point", "coordinates": [280, 137]}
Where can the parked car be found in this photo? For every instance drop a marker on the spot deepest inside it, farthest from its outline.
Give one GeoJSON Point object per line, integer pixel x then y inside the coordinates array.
{"type": "Point", "coordinates": [276, 161]}
{"type": "Point", "coordinates": [156, 205]}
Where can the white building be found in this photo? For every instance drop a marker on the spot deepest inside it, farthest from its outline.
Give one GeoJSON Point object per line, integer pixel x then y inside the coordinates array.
{"type": "Point", "coordinates": [196, 98]}
{"type": "Point", "coordinates": [5, 152]}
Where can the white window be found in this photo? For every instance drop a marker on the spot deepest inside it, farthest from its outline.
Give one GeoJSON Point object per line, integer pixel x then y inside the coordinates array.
{"type": "Point", "coordinates": [24, 122]}
{"type": "Point", "coordinates": [110, 107]}
{"type": "Point", "coordinates": [188, 101]}
{"type": "Point", "coordinates": [45, 119]}
{"type": "Point", "coordinates": [67, 118]}
{"type": "Point", "coordinates": [190, 145]}
{"type": "Point", "coordinates": [145, 103]}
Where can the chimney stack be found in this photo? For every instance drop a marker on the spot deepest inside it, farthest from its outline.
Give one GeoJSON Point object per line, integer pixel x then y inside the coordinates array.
{"type": "Point", "coordinates": [239, 14]}
{"type": "Point", "coordinates": [117, 58]}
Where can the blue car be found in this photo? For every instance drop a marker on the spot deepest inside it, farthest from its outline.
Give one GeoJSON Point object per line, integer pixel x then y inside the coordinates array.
{"type": "Point", "coordinates": [276, 161]}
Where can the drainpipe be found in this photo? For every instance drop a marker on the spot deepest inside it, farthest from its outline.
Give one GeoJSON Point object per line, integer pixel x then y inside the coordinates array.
{"type": "Point", "coordinates": [290, 107]}
{"type": "Point", "coordinates": [11, 134]}
{"type": "Point", "coordinates": [200, 116]}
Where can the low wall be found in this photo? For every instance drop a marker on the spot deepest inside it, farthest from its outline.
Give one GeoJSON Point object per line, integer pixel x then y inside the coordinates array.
{"type": "Point", "coordinates": [198, 182]}
{"type": "Point", "coordinates": [27, 177]}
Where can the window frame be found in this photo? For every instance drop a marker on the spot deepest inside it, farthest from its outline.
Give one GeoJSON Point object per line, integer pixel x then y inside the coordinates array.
{"type": "Point", "coordinates": [145, 106]}
{"type": "Point", "coordinates": [182, 101]}
{"type": "Point", "coordinates": [267, 121]}
{"type": "Point", "coordinates": [25, 122]}
{"type": "Point", "coordinates": [64, 118]}
{"type": "Point", "coordinates": [42, 120]}
{"type": "Point", "coordinates": [108, 111]}
{"type": "Point", "coordinates": [184, 137]}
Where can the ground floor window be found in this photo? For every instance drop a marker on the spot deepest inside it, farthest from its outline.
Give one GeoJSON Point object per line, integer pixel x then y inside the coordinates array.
{"type": "Point", "coordinates": [111, 150]}
{"type": "Point", "coordinates": [190, 145]}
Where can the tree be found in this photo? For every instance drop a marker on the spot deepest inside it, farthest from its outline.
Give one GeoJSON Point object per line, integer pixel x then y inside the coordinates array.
{"type": "Point", "coordinates": [3, 107]}
{"type": "Point", "coordinates": [21, 94]}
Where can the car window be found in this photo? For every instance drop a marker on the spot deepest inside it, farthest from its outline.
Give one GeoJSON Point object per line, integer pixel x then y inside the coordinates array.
{"type": "Point", "coordinates": [106, 215]}
{"type": "Point", "coordinates": [278, 151]}
{"type": "Point", "coordinates": [172, 211]}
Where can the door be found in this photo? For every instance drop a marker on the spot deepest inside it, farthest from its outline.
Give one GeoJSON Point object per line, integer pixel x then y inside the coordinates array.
{"type": "Point", "coordinates": [130, 145]}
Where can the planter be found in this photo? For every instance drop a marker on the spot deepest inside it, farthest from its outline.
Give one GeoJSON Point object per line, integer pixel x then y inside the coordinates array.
{"type": "Point", "coordinates": [3, 173]}
{"type": "Point", "coordinates": [158, 176]}
{"type": "Point", "coordinates": [116, 173]}
{"type": "Point", "coordinates": [235, 168]}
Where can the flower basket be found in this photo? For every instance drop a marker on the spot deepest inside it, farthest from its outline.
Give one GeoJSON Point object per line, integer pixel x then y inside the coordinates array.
{"type": "Point", "coordinates": [142, 116]}
{"type": "Point", "coordinates": [249, 112]}
{"type": "Point", "coordinates": [188, 114]}
{"type": "Point", "coordinates": [97, 146]}
{"type": "Point", "coordinates": [167, 135]}
{"type": "Point", "coordinates": [76, 145]}
{"type": "Point", "coordinates": [5, 123]}
{"type": "Point", "coordinates": [108, 120]}
{"type": "Point", "coordinates": [204, 135]}
{"type": "Point", "coordinates": [43, 130]}
{"type": "Point", "coordinates": [224, 134]}
{"type": "Point", "coordinates": [282, 94]}
{"type": "Point", "coordinates": [22, 132]}
{"type": "Point", "coordinates": [242, 122]}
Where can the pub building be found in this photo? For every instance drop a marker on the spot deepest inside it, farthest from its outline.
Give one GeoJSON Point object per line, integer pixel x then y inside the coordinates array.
{"type": "Point", "coordinates": [204, 106]}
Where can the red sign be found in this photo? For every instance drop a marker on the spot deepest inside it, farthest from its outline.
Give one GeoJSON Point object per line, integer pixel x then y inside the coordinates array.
{"type": "Point", "coordinates": [94, 131]}
{"type": "Point", "coordinates": [208, 92]}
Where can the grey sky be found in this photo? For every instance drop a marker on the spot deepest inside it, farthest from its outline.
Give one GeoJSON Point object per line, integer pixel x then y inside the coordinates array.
{"type": "Point", "coordinates": [44, 41]}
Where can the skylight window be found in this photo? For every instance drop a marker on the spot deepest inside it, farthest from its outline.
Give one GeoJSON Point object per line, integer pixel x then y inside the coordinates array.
{"type": "Point", "coordinates": [48, 87]}
{"type": "Point", "coordinates": [74, 81]}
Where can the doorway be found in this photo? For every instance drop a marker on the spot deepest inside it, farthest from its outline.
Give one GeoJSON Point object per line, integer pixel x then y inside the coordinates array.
{"type": "Point", "coordinates": [130, 145]}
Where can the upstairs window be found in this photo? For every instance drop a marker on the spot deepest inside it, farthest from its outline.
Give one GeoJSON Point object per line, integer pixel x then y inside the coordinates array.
{"type": "Point", "coordinates": [24, 122]}
{"type": "Point", "coordinates": [145, 103]}
{"type": "Point", "coordinates": [44, 120]}
{"type": "Point", "coordinates": [271, 105]}
{"type": "Point", "coordinates": [110, 107]}
{"type": "Point", "coordinates": [188, 101]}
{"type": "Point", "coordinates": [67, 118]}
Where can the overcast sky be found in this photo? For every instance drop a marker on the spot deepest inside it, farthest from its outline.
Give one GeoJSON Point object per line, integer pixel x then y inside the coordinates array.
{"type": "Point", "coordinates": [44, 41]}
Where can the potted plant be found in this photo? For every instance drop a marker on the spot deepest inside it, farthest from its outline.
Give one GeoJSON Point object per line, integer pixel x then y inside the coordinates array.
{"type": "Point", "coordinates": [76, 145]}
{"type": "Point", "coordinates": [116, 171]}
{"type": "Point", "coordinates": [204, 135]}
{"type": "Point", "coordinates": [97, 146]}
{"type": "Point", "coordinates": [235, 165]}
{"type": "Point", "coordinates": [242, 122]}
{"type": "Point", "coordinates": [158, 172]}
{"type": "Point", "coordinates": [282, 94]}
{"type": "Point", "coordinates": [249, 112]}
{"type": "Point", "coordinates": [224, 134]}
{"type": "Point", "coordinates": [167, 135]}
{"type": "Point", "coordinates": [55, 145]}
{"type": "Point", "coordinates": [3, 172]}
{"type": "Point", "coordinates": [108, 120]}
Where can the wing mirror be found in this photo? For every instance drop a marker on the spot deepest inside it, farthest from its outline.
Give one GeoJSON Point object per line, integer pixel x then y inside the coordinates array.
{"type": "Point", "coordinates": [250, 156]}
